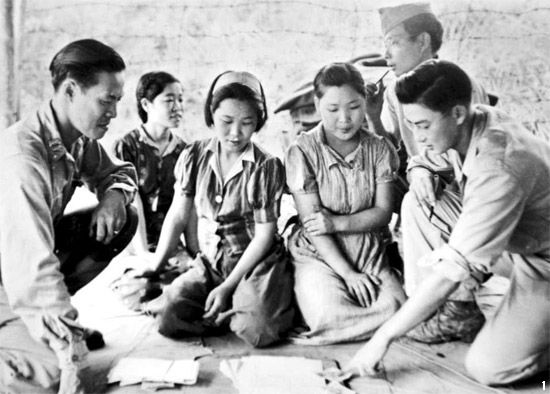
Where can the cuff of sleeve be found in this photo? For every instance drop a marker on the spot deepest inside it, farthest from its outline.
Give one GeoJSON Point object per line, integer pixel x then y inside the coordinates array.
{"type": "Point", "coordinates": [450, 263]}
{"type": "Point", "coordinates": [127, 190]}
{"type": "Point", "coordinates": [304, 191]}
{"type": "Point", "coordinates": [179, 190]}
{"type": "Point", "coordinates": [385, 180]}
{"type": "Point", "coordinates": [265, 215]}
{"type": "Point", "coordinates": [412, 165]}
{"type": "Point", "coordinates": [65, 338]}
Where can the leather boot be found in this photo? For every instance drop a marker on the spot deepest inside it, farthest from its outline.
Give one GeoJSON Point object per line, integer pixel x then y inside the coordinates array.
{"type": "Point", "coordinates": [453, 321]}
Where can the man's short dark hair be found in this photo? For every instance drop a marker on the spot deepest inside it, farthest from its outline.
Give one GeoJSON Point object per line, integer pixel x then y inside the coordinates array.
{"type": "Point", "coordinates": [83, 60]}
{"type": "Point", "coordinates": [437, 84]}
{"type": "Point", "coordinates": [425, 23]}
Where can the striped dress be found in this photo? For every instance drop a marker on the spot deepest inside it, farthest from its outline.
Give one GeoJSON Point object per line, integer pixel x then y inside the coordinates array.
{"type": "Point", "coordinates": [345, 185]}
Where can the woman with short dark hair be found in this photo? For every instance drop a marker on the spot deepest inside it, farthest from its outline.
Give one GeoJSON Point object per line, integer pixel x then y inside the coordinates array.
{"type": "Point", "coordinates": [153, 148]}
{"type": "Point", "coordinates": [341, 179]}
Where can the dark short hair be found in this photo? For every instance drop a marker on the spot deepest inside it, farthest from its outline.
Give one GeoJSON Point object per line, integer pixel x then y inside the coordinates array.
{"type": "Point", "coordinates": [338, 74]}
{"type": "Point", "coordinates": [149, 86]}
{"type": "Point", "coordinates": [83, 60]}
{"type": "Point", "coordinates": [425, 23]}
{"type": "Point", "coordinates": [235, 91]}
{"type": "Point", "coordinates": [436, 84]}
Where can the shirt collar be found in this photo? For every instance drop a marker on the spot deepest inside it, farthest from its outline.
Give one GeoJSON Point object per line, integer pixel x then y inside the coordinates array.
{"type": "Point", "coordinates": [333, 158]}
{"type": "Point", "coordinates": [247, 155]}
{"type": "Point", "coordinates": [56, 148]}
{"type": "Point", "coordinates": [173, 142]}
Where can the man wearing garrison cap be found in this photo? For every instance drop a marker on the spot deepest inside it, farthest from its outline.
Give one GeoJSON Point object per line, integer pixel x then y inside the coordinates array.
{"type": "Point", "coordinates": [412, 35]}
{"type": "Point", "coordinates": [302, 110]}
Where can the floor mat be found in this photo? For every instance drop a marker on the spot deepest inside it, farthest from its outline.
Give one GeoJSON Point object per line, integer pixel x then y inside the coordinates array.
{"type": "Point", "coordinates": [410, 367]}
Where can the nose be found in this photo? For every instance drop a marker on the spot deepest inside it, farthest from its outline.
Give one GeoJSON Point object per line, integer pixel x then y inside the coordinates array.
{"type": "Point", "coordinates": [111, 111]}
{"type": "Point", "coordinates": [387, 53]}
{"type": "Point", "coordinates": [343, 115]}
{"type": "Point", "coordinates": [235, 129]}
{"type": "Point", "coordinates": [418, 136]}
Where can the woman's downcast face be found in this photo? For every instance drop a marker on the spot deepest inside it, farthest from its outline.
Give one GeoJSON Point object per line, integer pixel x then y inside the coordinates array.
{"type": "Point", "coordinates": [342, 111]}
{"type": "Point", "coordinates": [234, 122]}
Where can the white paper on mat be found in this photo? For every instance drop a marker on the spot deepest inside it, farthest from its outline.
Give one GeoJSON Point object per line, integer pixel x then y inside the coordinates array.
{"type": "Point", "coordinates": [132, 370]}
{"type": "Point", "coordinates": [274, 375]}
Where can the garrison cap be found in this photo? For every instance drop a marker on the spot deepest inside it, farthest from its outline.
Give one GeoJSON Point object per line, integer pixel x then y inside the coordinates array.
{"type": "Point", "coordinates": [390, 17]}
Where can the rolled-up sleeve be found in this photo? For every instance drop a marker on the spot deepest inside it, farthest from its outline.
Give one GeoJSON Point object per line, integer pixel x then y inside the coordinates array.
{"type": "Point", "coordinates": [452, 265]}
{"type": "Point", "coordinates": [437, 163]}
{"type": "Point", "coordinates": [30, 271]}
{"type": "Point", "coordinates": [101, 172]}
{"type": "Point", "coordinates": [493, 203]}
{"type": "Point", "coordinates": [264, 190]}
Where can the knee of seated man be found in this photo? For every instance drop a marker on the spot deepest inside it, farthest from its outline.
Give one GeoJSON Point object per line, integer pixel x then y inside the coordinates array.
{"type": "Point", "coordinates": [484, 368]}
{"type": "Point", "coordinates": [256, 329]}
{"type": "Point", "coordinates": [19, 374]}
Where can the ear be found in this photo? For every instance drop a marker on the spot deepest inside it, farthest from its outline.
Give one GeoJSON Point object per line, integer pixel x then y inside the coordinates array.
{"type": "Point", "coordinates": [69, 88]}
{"type": "Point", "coordinates": [459, 112]}
{"type": "Point", "coordinates": [144, 104]}
{"type": "Point", "coordinates": [425, 41]}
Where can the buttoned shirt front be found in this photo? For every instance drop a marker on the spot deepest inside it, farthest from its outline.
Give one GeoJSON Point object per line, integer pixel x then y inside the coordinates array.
{"type": "Point", "coordinates": [37, 179]}
{"type": "Point", "coordinates": [228, 207]}
{"type": "Point", "coordinates": [345, 185]}
{"type": "Point", "coordinates": [155, 171]}
{"type": "Point", "coordinates": [506, 197]}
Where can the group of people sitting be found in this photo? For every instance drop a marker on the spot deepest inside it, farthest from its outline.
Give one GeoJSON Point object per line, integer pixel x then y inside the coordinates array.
{"type": "Point", "coordinates": [479, 198]}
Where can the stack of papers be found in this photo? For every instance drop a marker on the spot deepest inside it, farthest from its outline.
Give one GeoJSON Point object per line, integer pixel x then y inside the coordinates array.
{"type": "Point", "coordinates": [275, 375]}
{"type": "Point", "coordinates": [131, 370]}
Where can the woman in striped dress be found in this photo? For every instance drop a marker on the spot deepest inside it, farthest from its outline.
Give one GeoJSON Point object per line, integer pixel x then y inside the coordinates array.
{"type": "Point", "coordinates": [340, 176]}
{"type": "Point", "coordinates": [241, 273]}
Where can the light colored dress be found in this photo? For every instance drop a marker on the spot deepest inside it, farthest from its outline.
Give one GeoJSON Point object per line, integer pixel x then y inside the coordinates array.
{"type": "Point", "coordinates": [345, 186]}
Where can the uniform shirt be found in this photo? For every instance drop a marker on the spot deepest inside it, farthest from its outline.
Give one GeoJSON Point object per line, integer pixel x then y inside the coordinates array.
{"type": "Point", "coordinates": [404, 135]}
{"type": "Point", "coordinates": [506, 197]}
{"type": "Point", "coordinates": [155, 173]}
{"type": "Point", "coordinates": [227, 209]}
{"type": "Point", "coordinates": [345, 185]}
{"type": "Point", "coordinates": [37, 179]}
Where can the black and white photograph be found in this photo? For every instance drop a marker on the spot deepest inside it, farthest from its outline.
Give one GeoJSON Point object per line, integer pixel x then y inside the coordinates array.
{"type": "Point", "coordinates": [275, 196]}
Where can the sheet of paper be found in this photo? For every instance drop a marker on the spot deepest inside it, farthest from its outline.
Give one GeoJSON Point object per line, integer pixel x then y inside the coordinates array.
{"type": "Point", "coordinates": [131, 370]}
{"type": "Point", "coordinates": [183, 372]}
{"type": "Point", "coordinates": [274, 375]}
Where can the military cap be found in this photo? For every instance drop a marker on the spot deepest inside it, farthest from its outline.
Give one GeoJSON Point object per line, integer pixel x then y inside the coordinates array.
{"type": "Point", "coordinates": [390, 17]}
